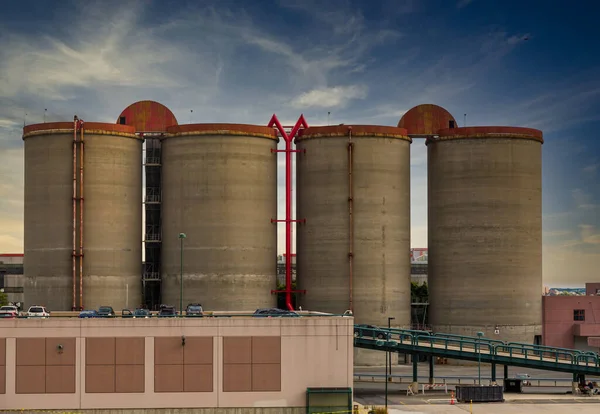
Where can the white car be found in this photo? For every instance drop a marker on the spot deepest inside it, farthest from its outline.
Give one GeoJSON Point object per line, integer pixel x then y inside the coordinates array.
{"type": "Point", "coordinates": [37, 311]}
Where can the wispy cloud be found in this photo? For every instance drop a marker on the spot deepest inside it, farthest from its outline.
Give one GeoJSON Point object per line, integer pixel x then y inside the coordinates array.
{"type": "Point", "coordinates": [337, 96]}
{"type": "Point", "coordinates": [592, 168]}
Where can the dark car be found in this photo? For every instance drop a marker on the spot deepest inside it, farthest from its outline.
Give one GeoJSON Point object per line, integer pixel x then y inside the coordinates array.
{"type": "Point", "coordinates": [142, 313]}
{"type": "Point", "coordinates": [167, 312]}
{"type": "Point", "coordinates": [88, 314]}
{"type": "Point", "coordinates": [194, 310]}
{"type": "Point", "coordinates": [274, 312]}
{"type": "Point", "coordinates": [370, 331]}
{"type": "Point", "coordinates": [106, 312]}
{"type": "Point", "coordinates": [126, 313]}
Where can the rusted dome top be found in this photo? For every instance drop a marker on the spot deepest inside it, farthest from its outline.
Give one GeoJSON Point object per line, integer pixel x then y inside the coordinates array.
{"type": "Point", "coordinates": [426, 120]}
{"type": "Point", "coordinates": [147, 116]}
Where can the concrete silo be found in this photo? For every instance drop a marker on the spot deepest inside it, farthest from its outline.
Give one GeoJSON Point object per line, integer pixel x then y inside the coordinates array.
{"type": "Point", "coordinates": [485, 232]}
{"type": "Point", "coordinates": [353, 189]}
{"type": "Point", "coordinates": [219, 188]}
{"type": "Point", "coordinates": [86, 257]}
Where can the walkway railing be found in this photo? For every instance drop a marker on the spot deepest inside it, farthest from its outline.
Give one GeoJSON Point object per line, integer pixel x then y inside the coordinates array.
{"type": "Point", "coordinates": [475, 348]}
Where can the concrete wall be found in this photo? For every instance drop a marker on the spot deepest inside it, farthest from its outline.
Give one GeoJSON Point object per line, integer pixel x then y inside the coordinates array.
{"type": "Point", "coordinates": [380, 285]}
{"type": "Point", "coordinates": [112, 216]}
{"type": "Point", "coordinates": [485, 228]}
{"type": "Point", "coordinates": [219, 187]}
{"type": "Point", "coordinates": [142, 364]}
{"type": "Point", "coordinates": [559, 327]}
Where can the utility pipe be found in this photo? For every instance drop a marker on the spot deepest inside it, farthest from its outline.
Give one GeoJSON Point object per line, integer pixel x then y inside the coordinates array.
{"type": "Point", "coordinates": [350, 220]}
{"type": "Point", "coordinates": [81, 145]}
{"type": "Point", "coordinates": [288, 138]}
{"type": "Point", "coordinates": [74, 253]}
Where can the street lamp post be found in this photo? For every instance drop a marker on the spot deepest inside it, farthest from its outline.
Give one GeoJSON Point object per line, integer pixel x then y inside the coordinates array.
{"type": "Point", "coordinates": [479, 335]}
{"type": "Point", "coordinates": [388, 363]}
{"type": "Point", "coordinates": [181, 237]}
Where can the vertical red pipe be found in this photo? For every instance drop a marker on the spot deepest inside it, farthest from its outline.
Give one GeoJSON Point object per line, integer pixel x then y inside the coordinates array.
{"type": "Point", "coordinates": [288, 200]}
{"type": "Point", "coordinates": [73, 307]}
{"type": "Point", "coordinates": [81, 220]}
{"type": "Point", "coordinates": [288, 222]}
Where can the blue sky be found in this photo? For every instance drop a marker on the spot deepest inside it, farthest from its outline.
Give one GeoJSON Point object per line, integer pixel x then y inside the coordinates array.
{"type": "Point", "coordinates": [366, 62]}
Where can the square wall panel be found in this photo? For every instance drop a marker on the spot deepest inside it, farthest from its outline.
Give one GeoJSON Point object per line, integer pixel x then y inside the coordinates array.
{"type": "Point", "coordinates": [56, 356]}
{"type": "Point", "coordinates": [2, 379]}
{"type": "Point", "coordinates": [129, 378]}
{"type": "Point", "coordinates": [31, 379]}
{"type": "Point", "coordinates": [60, 379]}
{"type": "Point", "coordinates": [130, 351]}
{"type": "Point", "coordinates": [198, 378]}
{"type": "Point", "coordinates": [2, 352]}
{"type": "Point", "coordinates": [168, 350]}
{"type": "Point", "coordinates": [237, 350]}
{"type": "Point", "coordinates": [198, 350]}
{"type": "Point", "coordinates": [266, 349]}
{"type": "Point", "coordinates": [168, 378]}
{"type": "Point", "coordinates": [266, 377]}
{"type": "Point", "coordinates": [99, 351]}
{"type": "Point", "coordinates": [31, 351]}
{"type": "Point", "coordinates": [100, 379]}
{"type": "Point", "coordinates": [237, 377]}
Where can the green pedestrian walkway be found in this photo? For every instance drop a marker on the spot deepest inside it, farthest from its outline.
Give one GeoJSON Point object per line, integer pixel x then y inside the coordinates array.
{"type": "Point", "coordinates": [481, 349]}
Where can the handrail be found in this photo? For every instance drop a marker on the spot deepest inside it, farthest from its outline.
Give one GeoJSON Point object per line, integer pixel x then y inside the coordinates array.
{"type": "Point", "coordinates": [482, 339]}
{"type": "Point", "coordinates": [490, 347]}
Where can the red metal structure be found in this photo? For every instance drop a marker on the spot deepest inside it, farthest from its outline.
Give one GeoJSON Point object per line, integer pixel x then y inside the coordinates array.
{"type": "Point", "coordinates": [301, 123]}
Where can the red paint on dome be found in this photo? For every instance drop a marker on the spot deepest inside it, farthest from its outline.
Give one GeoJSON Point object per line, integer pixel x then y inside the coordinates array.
{"type": "Point", "coordinates": [426, 119]}
{"type": "Point", "coordinates": [147, 116]}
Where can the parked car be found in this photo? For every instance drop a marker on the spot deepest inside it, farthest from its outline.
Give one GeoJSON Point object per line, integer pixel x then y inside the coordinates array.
{"type": "Point", "coordinates": [126, 313]}
{"type": "Point", "coordinates": [106, 312]}
{"type": "Point", "coordinates": [142, 313]}
{"type": "Point", "coordinates": [370, 331]}
{"type": "Point", "coordinates": [274, 312]}
{"type": "Point", "coordinates": [167, 312]}
{"type": "Point", "coordinates": [37, 311]}
{"type": "Point", "coordinates": [88, 314]}
{"type": "Point", "coordinates": [8, 315]}
{"type": "Point", "coordinates": [9, 310]}
{"type": "Point", "coordinates": [194, 310]}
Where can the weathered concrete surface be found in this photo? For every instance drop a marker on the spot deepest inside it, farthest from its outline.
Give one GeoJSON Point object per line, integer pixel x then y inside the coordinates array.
{"type": "Point", "coordinates": [381, 211]}
{"type": "Point", "coordinates": [221, 191]}
{"type": "Point", "coordinates": [113, 222]}
{"type": "Point", "coordinates": [485, 244]}
{"type": "Point", "coordinates": [112, 218]}
{"type": "Point", "coordinates": [249, 410]}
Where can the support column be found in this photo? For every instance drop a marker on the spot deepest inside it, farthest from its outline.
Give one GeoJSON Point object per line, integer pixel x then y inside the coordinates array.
{"type": "Point", "coordinates": [505, 372]}
{"type": "Point", "coordinates": [415, 363]}
{"type": "Point", "coordinates": [431, 364]}
{"type": "Point", "coordinates": [493, 372]}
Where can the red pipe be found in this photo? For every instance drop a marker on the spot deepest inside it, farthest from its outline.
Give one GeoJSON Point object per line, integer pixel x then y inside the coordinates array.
{"type": "Point", "coordinates": [288, 138]}
{"type": "Point", "coordinates": [350, 219]}
{"type": "Point", "coordinates": [80, 125]}
{"type": "Point", "coordinates": [74, 253]}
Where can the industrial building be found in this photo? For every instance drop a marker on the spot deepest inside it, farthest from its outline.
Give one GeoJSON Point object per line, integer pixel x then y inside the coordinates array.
{"type": "Point", "coordinates": [11, 277]}
{"type": "Point", "coordinates": [210, 218]}
{"type": "Point", "coordinates": [219, 364]}
{"type": "Point", "coordinates": [571, 321]}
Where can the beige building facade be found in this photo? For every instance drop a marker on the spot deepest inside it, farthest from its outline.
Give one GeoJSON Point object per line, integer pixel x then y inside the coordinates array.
{"type": "Point", "coordinates": [125, 364]}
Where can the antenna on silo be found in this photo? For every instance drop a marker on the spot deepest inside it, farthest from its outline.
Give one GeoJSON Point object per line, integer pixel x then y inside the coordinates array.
{"type": "Point", "coordinates": [465, 121]}
{"type": "Point", "coordinates": [45, 111]}
{"type": "Point", "coordinates": [24, 119]}
{"type": "Point", "coordinates": [191, 112]}
{"type": "Point", "coordinates": [328, 113]}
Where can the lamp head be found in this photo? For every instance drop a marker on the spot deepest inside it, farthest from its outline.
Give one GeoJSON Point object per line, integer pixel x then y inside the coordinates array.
{"type": "Point", "coordinates": [182, 235]}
